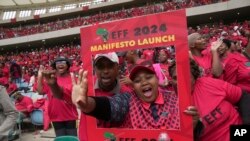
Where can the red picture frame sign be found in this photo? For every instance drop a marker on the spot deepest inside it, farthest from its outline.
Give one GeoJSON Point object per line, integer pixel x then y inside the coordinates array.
{"type": "Point", "coordinates": [163, 29]}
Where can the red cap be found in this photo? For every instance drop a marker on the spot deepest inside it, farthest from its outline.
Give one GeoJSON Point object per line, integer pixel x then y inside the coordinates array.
{"type": "Point", "coordinates": [145, 65]}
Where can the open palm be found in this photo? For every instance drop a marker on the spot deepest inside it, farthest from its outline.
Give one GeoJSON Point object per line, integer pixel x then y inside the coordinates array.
{"type": "Point", "coordinates": [80, 90]}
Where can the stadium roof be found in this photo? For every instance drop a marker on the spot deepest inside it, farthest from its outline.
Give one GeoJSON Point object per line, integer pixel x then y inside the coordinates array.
{"type": "Point", "coordinates": [29, 3]}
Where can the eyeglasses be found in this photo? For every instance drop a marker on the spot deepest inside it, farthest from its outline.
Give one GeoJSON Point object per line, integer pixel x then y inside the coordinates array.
{"type": "Point", "coordinates": [60, 62]}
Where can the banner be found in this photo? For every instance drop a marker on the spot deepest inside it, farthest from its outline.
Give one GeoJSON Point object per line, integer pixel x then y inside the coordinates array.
{"type": "Point", "coordinates": [156, 31]}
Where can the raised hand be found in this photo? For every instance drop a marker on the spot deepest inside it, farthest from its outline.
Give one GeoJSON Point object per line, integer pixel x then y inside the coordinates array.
{"type": "Point", "coordinates": [80, 90]}
{"type": "Point", "coordinates": [41, 69]}
{"type": "Point", "coordinates": [125, 80]}
{"type": "Point", "coordinates": [50, 77]}
{"type": "Point", "coordinates": [215, 45]}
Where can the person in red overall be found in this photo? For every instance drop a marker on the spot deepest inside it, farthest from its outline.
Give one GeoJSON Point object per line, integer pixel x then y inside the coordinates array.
{"type": "Point", "coordinates": [216, 101]}
{"type": "Point", "coordinates": [57, 85]}
{"type": "Point", "coordinates": [107, 83]}
{"type": "Point", "coordinates": [146, 108]}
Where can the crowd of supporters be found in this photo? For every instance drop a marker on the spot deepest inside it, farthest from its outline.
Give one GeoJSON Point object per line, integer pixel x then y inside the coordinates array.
{"type": "Point", "coordinates": [24, 30]}
{"type": "Point", "coordinates": [29, 61]}
{"type": "Point", "coordinates": [219, 71]}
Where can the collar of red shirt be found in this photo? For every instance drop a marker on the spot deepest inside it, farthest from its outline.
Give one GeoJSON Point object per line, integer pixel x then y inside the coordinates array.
{"type": "Point", "coordinates": [159, 100]}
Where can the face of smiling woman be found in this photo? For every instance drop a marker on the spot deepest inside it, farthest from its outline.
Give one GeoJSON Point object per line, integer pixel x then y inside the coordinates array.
{"type": "Point", "coordinates": [61, 67]}
{"type": "Point", "coordinates": [146, 86]}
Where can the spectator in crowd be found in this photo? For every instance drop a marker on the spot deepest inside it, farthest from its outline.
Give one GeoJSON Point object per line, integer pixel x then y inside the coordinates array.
{"type": "Point", "coordinates": [106, 83]}
{"type": "Point", "coordinates": [148, 54]}
{"type": "Point", "coordinates": [23, 104]}
{"type": "Point", "coordinates": [149, 8]}
{"type": "Point", "coordinates": [246, 33]}
{"type": "Point", "coordinates": [15, 72]}
{"type": "Point", "coordinates": [58, 87]}
{"type": "Point", "coordinates": [161, 68]}
{"type": "Point", "coordinates": [122, 107]}
{"type": "Point", "coordinates": [5, 71]}
{"type": "Point", "coordinates": [222, 98]}
{"type": "Point", "coordinates": [8, 114]}
{"type": "Point", "coordinates": [132, 57]}
{"type": "Point", "coordinates": [208, 61]}
{"type": "Point", "coordinates": [237, 69]}
{"type": "Point", "coordinates": [11, 87]}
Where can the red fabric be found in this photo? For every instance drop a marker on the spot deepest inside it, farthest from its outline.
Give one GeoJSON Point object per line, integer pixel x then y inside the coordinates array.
{"type": "Point", "coordinates": [205, 62]}
{"type": "Point", "coordinates": [36, 17]}
{"type": "Point", "coordinates": [46, 119]}
{"type": "Point", "coordinates": [237, 71]}
{"type": "Point", "coordinates": [13, 20]}
{"type": "Point", "coordinates": [56, 106]}
{"type": "Point", "coordinates": [12, 87]}
{"type": "Point", "coordinates": [159, 100]}
{"type": "Point", "coordinates": [85, 8]}
{"type": "Point", "coordinates": [215, 101]}
{"type": "Point", "coordinates": [26, 78]}
{"type": "Point", "coordinates": [43, 104]}
{"type": "Point", "coordinates": [26, 104]}
{"type": "Point", "coordinates": [148, 54]}
{"type": "Point", "coordinates": [6, 72]}
{"type": "Point", "coordinates": [130, 66]}
{"type": "Point", "coordinates": [4, 81]}
{"type": "Point", "coordinates": [140, 117]}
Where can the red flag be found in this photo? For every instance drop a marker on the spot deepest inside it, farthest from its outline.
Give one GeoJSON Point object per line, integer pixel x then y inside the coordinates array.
{"type": "Point", "coordinates": [85, 8]}
{"type": "Point", "coordinates": [13, 20]}
{"type": "Point", "coordinates": [36, 16]}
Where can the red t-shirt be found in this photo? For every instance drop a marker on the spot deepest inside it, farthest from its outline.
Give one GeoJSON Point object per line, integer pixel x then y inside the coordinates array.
{"type": "Point", "coordinates": [98, 92]}
{"type": "Point", "coordinates": [205, 62]}
{"type": "Point", "coordinates": [12, 87]}
{"type": "Point", "coordinates": [140, 114]}
{"type": "Point", "coordinates": [61, 110]}
{"type": "Point", "coordinates": [4, 80]}
{"type": "Point", "coordinates": [215, 101]}
{"type": "Point", "coordinates": [237, 71]}
{"type": "Point", "coordinates": [6, 72]}
{"type": "Point", "coordinates": [25, 104]}
{"type": "Point", "coordinates": [148, 54]}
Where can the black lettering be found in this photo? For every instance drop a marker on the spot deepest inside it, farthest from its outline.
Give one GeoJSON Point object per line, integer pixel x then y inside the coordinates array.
{"type": "Point", "coordinates": [125, 33]}
{"type": "Point", "coordinates": [208, 119]}
{"type": "Point", "coordinates": [119, 34]}
{"type": "Point", "coordinates": [145, 30]}
{"type": "Point", "coordinates": [149, 30]}
{"type": "Point", "coordinates": [214, 113]}
{"type": "Point", "coordinates": [137, 31]}
{"type": "Point", "coordinates": [144, 140]}
{"type": "Point", "coordinates": [153, 29]}
{"type": "Point", "coordinates": [218, 110]}
{"type": "Point", "coordinates": [113, 35]}
{"type": "Point", "coordinates": [163, 28]}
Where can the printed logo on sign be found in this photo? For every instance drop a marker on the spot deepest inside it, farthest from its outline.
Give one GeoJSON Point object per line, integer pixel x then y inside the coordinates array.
{"type": "Point", "coordinates": [239, 132]}
{"type": "Point", "coordinates": [110, 136]}
{"type": "Point", "coordinates": [103, 33]}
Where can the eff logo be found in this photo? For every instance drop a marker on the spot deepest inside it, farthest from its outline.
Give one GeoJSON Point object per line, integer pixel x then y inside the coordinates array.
{"type": "Point", "coordinates": [239, 132]}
